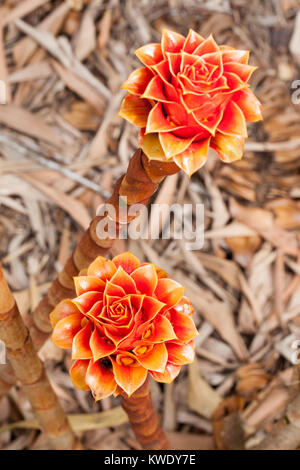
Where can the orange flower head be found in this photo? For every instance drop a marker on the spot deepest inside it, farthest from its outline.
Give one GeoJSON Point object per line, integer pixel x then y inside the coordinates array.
{"type": "Point", "coordinates": [128, 319]}
{"type": "Point", "coordinates": [192, 94]}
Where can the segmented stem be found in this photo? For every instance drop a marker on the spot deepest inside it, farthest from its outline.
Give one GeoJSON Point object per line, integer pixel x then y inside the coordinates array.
{"type": "Point", "coordinates": [144, 419]}
{"type": "Point", "coordinates": [29, 370]}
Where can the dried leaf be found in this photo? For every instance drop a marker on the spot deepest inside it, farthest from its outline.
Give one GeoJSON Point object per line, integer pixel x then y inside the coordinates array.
{"type": "Point", "coordinates": [76, 210]}
{"type": "Point", "coordinates": [79, 422]}
{"type": "Point", "coordinates": [27, 123]}
{"type": "Point", "coordinates": [201, 397]}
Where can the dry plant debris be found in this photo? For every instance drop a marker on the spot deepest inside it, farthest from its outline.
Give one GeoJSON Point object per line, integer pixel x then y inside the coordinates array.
{"type": "Point", "coordinates": [62, 147]}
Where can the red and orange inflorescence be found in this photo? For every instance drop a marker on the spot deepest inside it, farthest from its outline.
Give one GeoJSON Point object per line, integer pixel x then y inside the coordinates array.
{"type": "Point", "coordinates": [192, 94]}
{"type": "Point", "coordinates": [128, 319]}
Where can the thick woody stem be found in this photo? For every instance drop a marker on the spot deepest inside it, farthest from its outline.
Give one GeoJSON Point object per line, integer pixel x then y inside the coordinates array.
{"type": "Point", "coordinates": [144, 419]}
{"type": "Point", "coordinates": [29, 370]}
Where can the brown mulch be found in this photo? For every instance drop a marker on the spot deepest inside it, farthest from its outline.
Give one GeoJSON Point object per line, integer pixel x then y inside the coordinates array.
{"type": "Point", "coordinates": [62, 147]}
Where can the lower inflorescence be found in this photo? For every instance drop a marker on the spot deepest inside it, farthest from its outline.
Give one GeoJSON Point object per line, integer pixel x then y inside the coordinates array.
{"type": "Point", "coordinates": [128, 319]}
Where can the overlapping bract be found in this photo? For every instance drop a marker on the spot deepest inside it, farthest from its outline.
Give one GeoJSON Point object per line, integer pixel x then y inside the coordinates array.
{"type": "Point", "coordinates": [192, 94]}
{"type": "Point", "coordinates": [128, 319]}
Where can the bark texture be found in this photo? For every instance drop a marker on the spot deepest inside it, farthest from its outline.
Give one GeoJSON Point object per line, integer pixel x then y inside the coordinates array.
{"type": "Point", "coordinates": [29, 370]}
{"type": "Point", "coordinates": [144, 419]}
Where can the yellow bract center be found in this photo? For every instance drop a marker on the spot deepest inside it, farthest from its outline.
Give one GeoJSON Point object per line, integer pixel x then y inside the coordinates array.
{"type": "Point", "coordinates": [169, 119]}
{"type": "Point", "coordinates": [120, 309]}
{"type": "Point", "coordinates": [127, 361]}
{"type": "Point", "coordinates": [148, 333]}
{"type": "Point", "coordinates": [84, 322]}
{"type": "Point", "coordinates": [141, 350]}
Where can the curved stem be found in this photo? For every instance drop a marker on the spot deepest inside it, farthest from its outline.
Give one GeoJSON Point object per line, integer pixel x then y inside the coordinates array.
{"type": "Point", "coordinates": [144, 419]}
{"type": "Point", "coordinates": [30, 371]}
